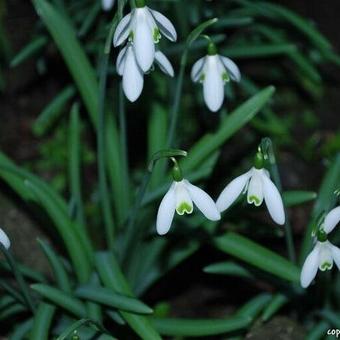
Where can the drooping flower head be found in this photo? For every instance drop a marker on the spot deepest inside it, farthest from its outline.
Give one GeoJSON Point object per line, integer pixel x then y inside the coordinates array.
{"type": "Point", "coordinates": [324, 252]}
{"type": "Point", "coordinates": [144, 28]}
{"type": "Point", "coordinates": [107, 4]}
{"type": "Point", "coordinates": [213, 71]}
{"type": "Point", "coordinates": [181, 198]}
{"type": "Point", "coordinates": [4, 240]}
{"type": "Point", "coordinates": [257, 184]}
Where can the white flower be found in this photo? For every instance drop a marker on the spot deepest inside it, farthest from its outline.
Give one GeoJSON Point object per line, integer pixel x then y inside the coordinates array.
{"type": "Point", "coordinates": [324, 252]}
{"type": "Point", "coordinates": [143, 27]}
{"type": "Point", "coordinates": [4, 240]}
{"type": "Point", "coordinates": [181, 198]}
{"type": "Point", "coordinates": [214, 71]}
{"type": "Point", "coordinates": [258, 185]}
{"type": "Point", "coordinates": [107, 4]}
{"type": "Point", "coordinates": [133, 76]}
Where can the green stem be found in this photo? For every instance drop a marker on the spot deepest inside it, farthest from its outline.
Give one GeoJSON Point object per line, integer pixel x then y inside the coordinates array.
{"type": "Point", "coordinates": [19, 278]}
{"type": "Point", "coordinates": [175, 106]}
{"type": "Point", "coordinates": [274, 170]}
{"type": "Point", "coordinates": [103, 185]}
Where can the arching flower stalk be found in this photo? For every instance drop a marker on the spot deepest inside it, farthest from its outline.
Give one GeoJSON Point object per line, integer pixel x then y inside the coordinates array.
{"type": "Point", "coordinates": [213, 71]}
{"type": "Point", "coordinates": [4, 240]}
{"type": "Point", "coordinates": [324, 252]}
{"type": "Point", "coordinates": [133, 76]}
{"type": "Point", "coordinates": [143, 27]}
{"type": "Point", "coordinates": [181, 198]}
{"type": "Point", "coordinates": [107, 4]}
{"type": "Point", "coordinates": [257, 184]}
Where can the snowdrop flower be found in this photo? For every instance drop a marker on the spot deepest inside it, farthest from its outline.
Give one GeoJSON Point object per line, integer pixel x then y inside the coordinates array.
{"type": "Point", "coordinates": [107, 4]}
{"type": "Point", "coordinates": [213, 71]}
{"type": "Point", "coordinates": [181, 198]}
{"type": "Point", "coordinates": [4, 240]}
{"type": "Point", "coordinates": [324, 252]}
{"type": "Point", "coordinates": [143, 27]}
{"type": "Point", "coordinates": [258, 185]}
{"type": "Point", "coordinates": [133, 75]}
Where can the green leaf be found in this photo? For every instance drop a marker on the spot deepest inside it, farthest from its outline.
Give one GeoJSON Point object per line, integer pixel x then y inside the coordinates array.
{"type": "Point", "coordinates": [227, 268]}
{"type": "Point", "coordinates": [61, 299]}
{"type": "Point", "coordinates": [57, 267]}
{"type": "Point", "coordinates": [254, 306]}
{"type": "Point", "coordinates": [108, 297]}
{"type": "Point", "coordinates": [318, 331]}
{"type": "Point", "coordinates": [42, 322]}
{"type": "Point", "coordinates": [259, 51]}
{"type": "Point", "coordinates": [292, 198]}
{"type": "Point", "coordinates": [278, 301]}
{"type": "Point", "coordinates": [73, 54]}
{"type": "Point", "coordinates": [29, 50]}
{"type": "Point", "coordinates": [258, 256]}
{"type": "Point", "coordinates": [199, 327]}
{"type": "Point", "coordinates": [228, 127]}
{"type": "Point", "coordinates": [21, 331]}
{"type": "Point", "coordinates": [198, 30]}
{"type": "Point", "coordinates": [52, 111]}
{"type": "Point", "coordinates": [112, 277]}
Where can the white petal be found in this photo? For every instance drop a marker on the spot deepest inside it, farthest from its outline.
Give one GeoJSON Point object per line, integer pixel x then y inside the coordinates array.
{"type": "Point", "coordinates": [232, 68]}
{"type": "Point", "coordinates": [166, 212]}
{"type": "Point", "coordinates": [255, 187]}
{"type": "Point", "coordinates": [273, 200]}
{"type": "Point", "coordinates": [325, 257]}
{"type": "Point", "coordinates": [213, 84]}
{"type": "Point", "coordinates": [203, 202]}
{"type": "Point", "coordinates": [332, 219]}
{"type": "Point", "coordinates": [164, 63]}
{"type": "Point", "coordinates": [107, 4]}
{"type": "Point", "coordinates": [122, 31]}
{"type": "Point", "coordinates": [183, 200]}
{"type": "Point", "coordinates": [121, 61]}
{"type": "Point", "coordinates": [335, 254]}
{"type": "Point", "coordinates": [4, 240]}
{"type": "Point", "coordinates": [197, 69]}
{"type": "Point", "coordinates": [310, 267]}
{"type": "Point", "coordinates": [143, 40]}
{"type": "Point", "coordinates": [232, 191]}
{"type": "Point", "coordinates": [165, 25]}
{"type": "Point", "coordinates": [133, 78]}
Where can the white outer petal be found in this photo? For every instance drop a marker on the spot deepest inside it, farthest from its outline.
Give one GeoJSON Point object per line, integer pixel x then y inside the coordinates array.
{"type": "Point", "coordinates": [332, 219]}
{"type": "Point", "coordinates": [107, 4]}
{"type": "Point", "coordinates": [4, 240]}
{"type": "Point", "coordinates": [166, 211]}
{"type": "Point", "coordinates": [196, 70]}
{"type": "Point", "coordinates": [143, 40]}
{"type": "Point", "coordinates": [232, 191]}
{"type": "Point", "coordinates": [310, 267]}
{"type": "Point", "coordinates": [213, 84]}
{"type": "Point", "coordinates": [122, 31]}
{"type": "Point", "coordinates": [164, 25]}
{"type": "Point", "coordinates": [164, 63]}
{"type": "Point", "coordinates": [121, 61]}
{"type": "Point", "coordinates": [232, 68]}
{"type": "Point", "coordinates": [203, 202]}
{"type": "Point", "coordinates": [273, 200]}
{"type": "Point", "coordinates": [335, 254]}
{"type": "Point", "coordinates": [133, 78]}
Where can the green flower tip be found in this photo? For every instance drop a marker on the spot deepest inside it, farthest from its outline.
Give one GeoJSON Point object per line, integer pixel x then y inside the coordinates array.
{"type": "Point", "coordinates": [212, 49]}
{"type": "Point", "coordinates": [140, 3]}
{"type": "Point", "coordinates": [184, 208]}
{"type": "Point", "coordinates": [254, 199]}
{"type": "Point", "coordinates": [259, 160]}
{"type": "Point", "coordinates": [156, 35]}
{"type": "Point", "coordinates": [321, 235]}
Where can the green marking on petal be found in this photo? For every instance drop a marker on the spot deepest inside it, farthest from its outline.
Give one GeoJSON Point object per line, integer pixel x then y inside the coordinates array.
{"type": "Point", "coordinates": [202, 77]}
{"type": "Point", "coordinates": [131, 36]}
{"type": "Point", "coordinates": [184, 208]}
{"type": "Point", "coordinates": [326, 266]}
{"type": "Point", "coordinates": [254, 199]}
{"type": "Point", "coordinates": [156, 35]}
{"type": "Point", "coordinates": [225, 77]}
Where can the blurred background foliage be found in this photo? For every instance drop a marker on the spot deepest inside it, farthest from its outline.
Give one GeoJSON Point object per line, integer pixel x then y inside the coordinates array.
{"type": "Point", "coordinates": [272, 45]}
